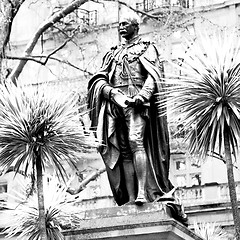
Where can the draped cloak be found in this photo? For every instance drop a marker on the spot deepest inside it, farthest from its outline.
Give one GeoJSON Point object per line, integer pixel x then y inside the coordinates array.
{"type": "Point", "coordinates": [156, 139]}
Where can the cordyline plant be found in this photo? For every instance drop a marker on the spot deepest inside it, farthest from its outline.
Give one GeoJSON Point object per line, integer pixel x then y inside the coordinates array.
{"type": "Point", "coordinates": [210, 231]}
{"type": "Point", "coordinates": [206, 98]}
{"type": "Point", "coordinates": [39, 128]}
{"type": "Point", "coordinates": [60, 211]}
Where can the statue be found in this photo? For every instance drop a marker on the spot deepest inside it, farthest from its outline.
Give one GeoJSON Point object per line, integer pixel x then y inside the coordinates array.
{"type": "Point", "coordinates": [122, 98]}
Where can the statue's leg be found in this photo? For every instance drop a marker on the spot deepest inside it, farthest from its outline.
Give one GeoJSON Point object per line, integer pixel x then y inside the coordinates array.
{"type": "Point", "coordinates": [129, 175]}
{"type": "Point", "coordinates": [140, 163]}
{"type": "Point", "coordinates": [127, 160]}
{"type": "Point", "coordinates": [136, 133]}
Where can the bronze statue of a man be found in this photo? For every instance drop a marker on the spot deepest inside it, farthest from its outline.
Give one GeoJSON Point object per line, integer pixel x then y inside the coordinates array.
{"type": "Point", "coordinates": [123, 98]}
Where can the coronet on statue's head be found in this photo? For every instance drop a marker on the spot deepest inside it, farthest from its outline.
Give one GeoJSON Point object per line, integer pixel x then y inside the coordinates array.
{"type": "Point", "coordinates": [128, 26]}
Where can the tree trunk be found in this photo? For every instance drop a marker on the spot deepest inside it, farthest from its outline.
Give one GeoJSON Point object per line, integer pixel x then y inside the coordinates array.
{"type": "Point", "coordinates": [42, 217]}
{"type": "Point", "coordinates": [8, 10]}
{"type": "Point", "coordinates": [231, 184]}
{"type": "Point", "coordinates": [6, 17]}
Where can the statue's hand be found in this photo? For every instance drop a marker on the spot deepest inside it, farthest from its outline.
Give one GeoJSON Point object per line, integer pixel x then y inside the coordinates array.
{"type": "Point", "coordinates": [138, 101]}
{"type": "Point", "coordinates": [118, 97]}
{"type": "Point", "coordinates": [115, 91]}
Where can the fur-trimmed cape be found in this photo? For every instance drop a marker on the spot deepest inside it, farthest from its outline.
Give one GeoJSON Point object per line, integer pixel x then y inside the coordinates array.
{"type": "Point", "coordinates": [156, 139]}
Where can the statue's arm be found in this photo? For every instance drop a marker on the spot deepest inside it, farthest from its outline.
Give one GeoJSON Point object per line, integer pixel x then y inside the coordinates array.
{"type": "Point", "coordinates": [106, 92]}
{"type": "Point", "coordinates": [148, 88]}
{"type": "Point", "coordinates": [108, 65]}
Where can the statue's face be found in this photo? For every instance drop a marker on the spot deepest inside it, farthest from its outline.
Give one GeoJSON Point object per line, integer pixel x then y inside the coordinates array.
{"type": "Point", "coordinates": [127, 29]}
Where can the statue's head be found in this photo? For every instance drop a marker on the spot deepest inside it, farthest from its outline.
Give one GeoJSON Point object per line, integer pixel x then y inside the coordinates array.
{"type": "Point", "coordinates": [128, 25]}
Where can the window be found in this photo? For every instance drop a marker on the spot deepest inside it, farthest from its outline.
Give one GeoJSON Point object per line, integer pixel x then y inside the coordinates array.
{"type": "Point", "coordinates": [148, 5]}
{"type": "Point", "coordinates": [3, 189]}
{"type": "Point", "coordinates": [79, 17]}
{"type": "Point", "coordinates": [82, 16]}
{"type": "Point", "coordinates": [186, 170]}
{"type": "Point", "coordinates": [180, 164]}
{"type": "Point", "coordinates": [196, 179]}
{"type": "Point", "coordinates": [92, 17]}
{"type": "Point", "coordinates": [140, 6]}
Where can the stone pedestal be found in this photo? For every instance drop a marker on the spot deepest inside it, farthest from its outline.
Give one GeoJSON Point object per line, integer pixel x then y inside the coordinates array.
{"type": "Point", "coordinates": [148, 222]}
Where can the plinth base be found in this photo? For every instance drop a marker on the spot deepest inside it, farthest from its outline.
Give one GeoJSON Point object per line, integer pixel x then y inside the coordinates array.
{"type": "Point", "coordinates": [150, 221]}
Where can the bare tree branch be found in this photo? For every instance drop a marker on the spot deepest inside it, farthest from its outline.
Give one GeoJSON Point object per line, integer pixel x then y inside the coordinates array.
{"type": "Point", "coordinates": [84, 183]}
{"type": "Point", "coordinates": [62, 45]}
{"type": "Point", "coordinates": [43, 27]}
{"type": "Point", "coordinates": [70, 64]}
{"type": "Point", "coordinates": [60, 30]}
{"type": "Point", "coordinates": [29, 58]}
{"type": "Point", "coordinates": [35, 59]}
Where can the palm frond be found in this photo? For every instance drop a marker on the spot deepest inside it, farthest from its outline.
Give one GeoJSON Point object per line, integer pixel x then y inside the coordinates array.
{"type": "Point", "coordinates": [206, 97]}
{"type": "Point", "coordinates": [60, 211]}
{"type": "Point", "coordinates": [41, 121]}
{"type": "Point", "coordinates": [210, 231]}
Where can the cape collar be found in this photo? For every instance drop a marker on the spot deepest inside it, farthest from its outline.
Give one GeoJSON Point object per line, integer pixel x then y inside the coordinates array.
{"type": "Point", "coordinates": [131, 42]}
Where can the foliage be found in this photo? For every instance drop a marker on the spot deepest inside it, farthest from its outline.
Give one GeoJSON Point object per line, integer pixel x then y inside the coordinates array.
{"type": "Point", "coordinates": [207, 96]}
{"type": "Point", "coordinates": [40, 130]}
{"type": "Point", "coordinates": [37, 120]}
{"type": "Point", "coordinates": [60, 211]}
{"type": "Point", "coordinates": [209, 231]}
{"type": "Point", "coordinates": [208, 101]}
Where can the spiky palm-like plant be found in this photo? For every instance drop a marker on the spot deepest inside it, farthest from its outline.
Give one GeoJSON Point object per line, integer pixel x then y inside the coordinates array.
{"type": "Point", "coordinates": [39, 128]}
{"type": "Point", "coordinates": [207, 98]}
{"type": "Point", "coordinates": [210, 231]}
{"type": "Point", "coordinates": [60, 211]}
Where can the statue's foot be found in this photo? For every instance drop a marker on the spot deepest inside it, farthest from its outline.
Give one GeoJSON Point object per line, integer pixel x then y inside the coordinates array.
{"type": "Point", "coordinates": [140, 200]}
{"type": "Point", "coordinates": [129, 203]}
{"type": "Point", "coordinates": [164, 198]}
{"type": "Point", "coordinates": [169, 196]}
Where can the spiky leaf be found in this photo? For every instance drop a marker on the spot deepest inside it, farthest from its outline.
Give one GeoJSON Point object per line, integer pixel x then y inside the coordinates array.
{"type": "Point", "coordinates": [206, 96]}
{"type": "Point", "coordinates": [60, 211]}
{"type": "Point", "coordinates": [39, 121]}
